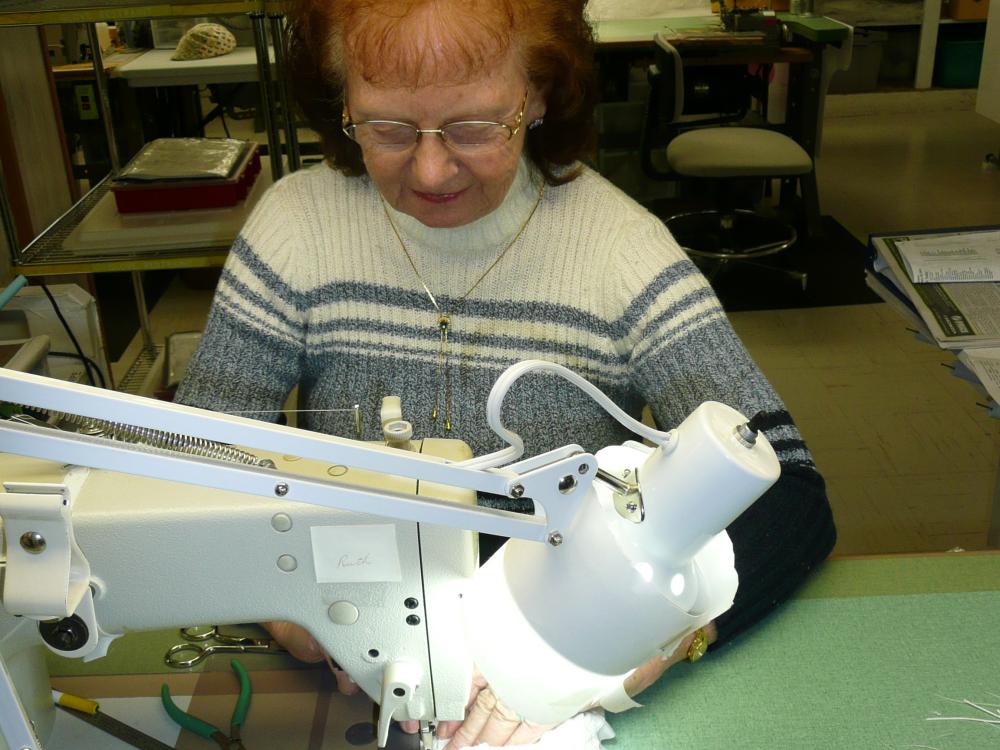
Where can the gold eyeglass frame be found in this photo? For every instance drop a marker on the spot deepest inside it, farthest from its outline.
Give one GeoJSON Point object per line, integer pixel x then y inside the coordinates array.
{"type": "Point", "coordinates": [348, 127]}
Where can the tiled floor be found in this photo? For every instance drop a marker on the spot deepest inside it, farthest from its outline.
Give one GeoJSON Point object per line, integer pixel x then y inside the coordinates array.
{"type": "Point", "coordinates": [908, 455]}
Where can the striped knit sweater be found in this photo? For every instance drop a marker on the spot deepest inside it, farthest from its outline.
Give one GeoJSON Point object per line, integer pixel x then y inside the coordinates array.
{"type": "Point", "coordinates": [317, 291]}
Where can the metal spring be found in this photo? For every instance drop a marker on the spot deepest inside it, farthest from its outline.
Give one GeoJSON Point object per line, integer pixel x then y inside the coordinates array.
{"type": "Point", "coordinates": [157, 439]}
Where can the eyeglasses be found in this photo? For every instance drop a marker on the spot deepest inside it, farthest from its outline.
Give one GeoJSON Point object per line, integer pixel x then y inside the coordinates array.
{"type": "Point", "coordinates": [470, 136]}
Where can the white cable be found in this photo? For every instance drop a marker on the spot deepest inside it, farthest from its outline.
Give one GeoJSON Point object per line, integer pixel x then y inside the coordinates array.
{"type": "Point", "coordinates": [515, 446]}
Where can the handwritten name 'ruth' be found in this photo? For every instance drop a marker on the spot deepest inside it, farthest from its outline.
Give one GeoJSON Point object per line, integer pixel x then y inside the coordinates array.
{"type": "Point", "coordinates": [347, 561]}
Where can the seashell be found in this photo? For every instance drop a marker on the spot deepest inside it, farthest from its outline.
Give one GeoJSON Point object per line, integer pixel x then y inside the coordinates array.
{"type": "Point", "coordinates": [204, 40]}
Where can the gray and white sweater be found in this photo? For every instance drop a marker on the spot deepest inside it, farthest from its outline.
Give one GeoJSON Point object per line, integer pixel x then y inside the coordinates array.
{"type": "Point", "coordinates": [317, 292]}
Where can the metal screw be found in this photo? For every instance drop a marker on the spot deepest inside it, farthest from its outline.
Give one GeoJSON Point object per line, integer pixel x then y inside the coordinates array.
{"type": "Point", "coordinates": [746, 435]}
{"type": "Point", "coordinates": [410, 603]}
{"type": "Point", "coordinates": [413, 619]}
{"type": "Point", "coordinates": [281, 489]}
{"type": "Point", "coordinates": [567, 484]}
{"type": "Point", "coordinates": [583, 468]}
{"type": "Point", "coordinates": [266, 463]}
{"type": "Point", "coordinates": [33, 542]}
{"type": "Point", "coordinates": [555, 538]}
{"type": "Point", "coordinates": [517, 491]}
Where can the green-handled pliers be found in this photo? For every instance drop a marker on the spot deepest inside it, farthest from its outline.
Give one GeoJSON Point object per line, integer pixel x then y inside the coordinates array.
{"type": "Point", "coordinates": [206, 730]}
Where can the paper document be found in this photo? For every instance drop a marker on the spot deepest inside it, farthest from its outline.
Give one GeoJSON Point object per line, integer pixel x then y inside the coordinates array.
{"type": "Point", "coordinates": [957, 315]}
{"type": "Point", "coordinates": [605, 10]}
{"type": "Point", "coordinates": [969, 256]}
{"type": "Point", "coordinates": [985, 363]}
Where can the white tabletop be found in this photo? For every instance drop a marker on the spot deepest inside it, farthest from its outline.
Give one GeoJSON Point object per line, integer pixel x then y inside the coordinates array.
{"type": "Point", "coordinates": [155, 68]}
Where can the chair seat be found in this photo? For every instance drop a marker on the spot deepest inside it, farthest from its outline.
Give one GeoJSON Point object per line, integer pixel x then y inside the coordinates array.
{"type": "Point", "coordinates": [737, 152]}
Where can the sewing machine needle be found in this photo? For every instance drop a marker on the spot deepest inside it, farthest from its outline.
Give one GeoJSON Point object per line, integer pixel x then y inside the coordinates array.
{"type": "Point", "coordinates": [426, 735]}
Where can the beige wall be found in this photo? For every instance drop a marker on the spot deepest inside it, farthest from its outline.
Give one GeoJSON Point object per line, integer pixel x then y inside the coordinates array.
{"type": "Point", "coordinates": [988, 100]}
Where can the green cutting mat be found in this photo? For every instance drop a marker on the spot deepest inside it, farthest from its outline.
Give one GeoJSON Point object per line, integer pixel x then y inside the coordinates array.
{"type": "Point", "coordinates": [859, 659]}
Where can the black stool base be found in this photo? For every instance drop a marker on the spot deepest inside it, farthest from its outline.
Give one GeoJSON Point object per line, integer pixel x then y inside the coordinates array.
{"type": "Point", "coordinates": [723, 238]}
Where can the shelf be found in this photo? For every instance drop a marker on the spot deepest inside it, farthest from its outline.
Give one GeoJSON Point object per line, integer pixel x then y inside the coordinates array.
{"type": "Point", "coordinates": [30, 12]}
{"type": "Point", "coordinates": [45, 256]}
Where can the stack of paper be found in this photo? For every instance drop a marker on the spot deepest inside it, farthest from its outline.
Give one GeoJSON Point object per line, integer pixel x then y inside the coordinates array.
{"type": "Point", "coordinates": [985, 365]}
{"type": "Point", "coordinates": [958, 305]}
{"type": "Point", "coordinates": [969, 256]}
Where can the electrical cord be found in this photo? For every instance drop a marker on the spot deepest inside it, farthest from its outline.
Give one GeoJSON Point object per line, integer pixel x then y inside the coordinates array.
{"type": "Point", "coordinates": [515, 446]}
{"type": "Point", "coordinates": [69, 331]}
{"type": "Point", "coordinates": [87, 362]}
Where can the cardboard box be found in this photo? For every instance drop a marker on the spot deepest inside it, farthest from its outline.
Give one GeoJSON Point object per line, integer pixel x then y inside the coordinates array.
{"type": "Point", "coordinates": [30, 313]}
{"type": "Point", "coordinates": [968, 10]}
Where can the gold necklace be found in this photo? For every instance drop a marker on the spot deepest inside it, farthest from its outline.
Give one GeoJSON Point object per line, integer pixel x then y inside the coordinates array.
{"type": "Point", "coordinates": [445, 316]}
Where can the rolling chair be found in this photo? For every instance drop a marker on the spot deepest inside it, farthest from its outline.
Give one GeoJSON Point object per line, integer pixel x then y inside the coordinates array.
{"type": "Point", "coordinates": [735, 157]}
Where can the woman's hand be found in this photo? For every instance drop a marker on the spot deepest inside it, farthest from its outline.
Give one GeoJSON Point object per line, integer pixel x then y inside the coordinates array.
{"type": "Point", "coordinates": [490, 721]}
{"type": "Point", "coordinates": [648, 673]}
{"type": "Point", "coordinates": [487, 720]}
{"type": "Point", "coordinates": [297, 641]}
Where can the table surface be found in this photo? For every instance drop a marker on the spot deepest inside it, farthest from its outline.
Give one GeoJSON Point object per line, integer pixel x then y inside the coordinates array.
{"type": "Point", "coordinates": [631, 31]}
{"type": "Point", "coordinates": [863, 655]}
{"type": "Point", "coordinates": [155, 68]}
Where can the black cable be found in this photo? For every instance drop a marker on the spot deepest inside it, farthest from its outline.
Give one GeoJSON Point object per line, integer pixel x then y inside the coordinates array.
{"type": "Point", "coordinates": [69, 332]}
{"type": "Point", "coordinates": [87, 361]}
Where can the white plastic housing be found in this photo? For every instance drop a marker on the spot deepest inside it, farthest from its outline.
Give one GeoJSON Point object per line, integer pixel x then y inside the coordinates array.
{"type": "Point", "coordinates": [555, 628]}
{"type": "Point", "coordinates": [700, 483]}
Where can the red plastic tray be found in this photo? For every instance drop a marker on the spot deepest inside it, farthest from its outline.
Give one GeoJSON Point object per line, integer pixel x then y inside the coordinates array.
{"type": "Point", "coordinates": [181, 196]}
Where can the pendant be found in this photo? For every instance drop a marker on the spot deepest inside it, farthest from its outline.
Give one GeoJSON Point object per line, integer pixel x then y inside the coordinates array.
{"type": "Point", "coordinates": [443, 322]}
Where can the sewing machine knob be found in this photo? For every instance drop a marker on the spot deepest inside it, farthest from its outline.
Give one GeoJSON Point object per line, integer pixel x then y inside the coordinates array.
{"type": "Point", "coordinates": [343, 613]}
{"type": "Point", "coordinates": [67, 634]}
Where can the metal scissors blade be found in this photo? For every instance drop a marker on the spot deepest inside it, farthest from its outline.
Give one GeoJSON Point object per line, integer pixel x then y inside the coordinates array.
{"type": "Point", "coordinates": [196, 649]}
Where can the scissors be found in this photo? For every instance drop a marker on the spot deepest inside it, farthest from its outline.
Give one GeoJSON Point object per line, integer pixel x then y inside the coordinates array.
{"type": "Point", "coordinates": [185, 655]}
{"type": "Point", "coordinates": [232, 741]}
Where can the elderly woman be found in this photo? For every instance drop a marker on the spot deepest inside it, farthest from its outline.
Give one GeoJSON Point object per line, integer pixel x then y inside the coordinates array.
{"type": "Point", "coordinates": [453, 231]}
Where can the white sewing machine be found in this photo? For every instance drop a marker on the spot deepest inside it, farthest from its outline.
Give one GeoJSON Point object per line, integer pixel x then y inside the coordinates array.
{"type": "Point", "coordinates": [153, 519]}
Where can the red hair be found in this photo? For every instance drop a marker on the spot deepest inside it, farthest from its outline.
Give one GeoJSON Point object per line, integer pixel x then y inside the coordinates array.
{"type": "Point", "coordinates": [377, 39]}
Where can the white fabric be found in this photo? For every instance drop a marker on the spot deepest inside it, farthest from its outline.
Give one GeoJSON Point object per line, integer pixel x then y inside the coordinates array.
{"type": "Point", "coordinates": [618, 700]}
{"type": "Point", "coordinates": [585, 731]}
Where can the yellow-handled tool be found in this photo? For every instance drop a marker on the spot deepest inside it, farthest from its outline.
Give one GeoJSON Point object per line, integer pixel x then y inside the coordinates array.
{"type": "Point", "coordinates": [90, 712]}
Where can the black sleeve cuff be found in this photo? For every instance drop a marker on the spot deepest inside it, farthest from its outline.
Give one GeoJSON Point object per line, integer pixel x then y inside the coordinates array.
{"type": "Point", "coordinates": [778, 540]}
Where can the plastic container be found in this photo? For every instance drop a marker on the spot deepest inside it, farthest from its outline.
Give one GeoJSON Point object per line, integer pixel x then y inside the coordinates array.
{"type": "Point", "coordinates": [866, 61]}
{"type": "Point", "coordinates": [189, 194]}
{"type": "Point", "coordinates": [957, 63]}
{"type": "Point", "coordinates": [899, 57]}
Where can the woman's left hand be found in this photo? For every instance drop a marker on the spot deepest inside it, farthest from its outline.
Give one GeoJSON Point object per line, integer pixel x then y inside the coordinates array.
{"type": "Point", "coordinates": [648, 673]}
